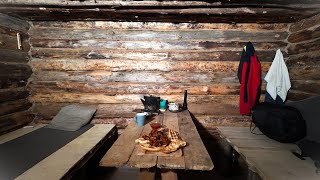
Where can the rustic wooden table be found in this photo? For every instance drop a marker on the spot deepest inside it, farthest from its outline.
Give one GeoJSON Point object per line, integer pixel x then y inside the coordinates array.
{"type": "Point", "coordinates": [125, 152]}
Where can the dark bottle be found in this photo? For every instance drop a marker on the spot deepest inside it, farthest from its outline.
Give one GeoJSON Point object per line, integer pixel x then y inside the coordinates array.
{"type": "Point", "coordinates": [185, 105]}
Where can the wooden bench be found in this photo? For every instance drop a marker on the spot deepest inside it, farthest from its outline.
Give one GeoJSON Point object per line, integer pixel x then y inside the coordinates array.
{"type": "Point", "coordinates": [71, 157]}
{"type": "Point", "coordinates": [266, 158]}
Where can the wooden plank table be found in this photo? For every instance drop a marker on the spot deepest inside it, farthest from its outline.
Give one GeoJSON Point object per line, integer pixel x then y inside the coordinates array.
{"type": "Point", "coordinates": [268, 158]}
{"type": "Point", "coordinates": [124, 151]}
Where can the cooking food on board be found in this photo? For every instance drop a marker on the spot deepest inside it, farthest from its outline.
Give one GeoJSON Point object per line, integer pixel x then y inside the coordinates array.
{"type": "Point", "coordinates": [161, 140]}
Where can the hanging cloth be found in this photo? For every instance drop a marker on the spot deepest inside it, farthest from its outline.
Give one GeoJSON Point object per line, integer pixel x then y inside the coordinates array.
{"type": "Point", "coordinates": [278, 81]}
{"type": "Point", "coordinates": [249, 74]}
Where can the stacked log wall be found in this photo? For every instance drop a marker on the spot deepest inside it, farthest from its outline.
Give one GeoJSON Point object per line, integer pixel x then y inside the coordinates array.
{"type": "Point", "coordinates": [14, 74]}
{"type": "Point", "coordinates": [304, 57]}
{"type": "Point", "coordinates": [113, 64]}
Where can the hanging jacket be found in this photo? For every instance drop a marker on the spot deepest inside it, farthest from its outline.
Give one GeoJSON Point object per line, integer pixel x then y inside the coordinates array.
{"type": "Point", "coordinates": [278, 81]}
{"type": "Point", "coordinates": [249, 74]}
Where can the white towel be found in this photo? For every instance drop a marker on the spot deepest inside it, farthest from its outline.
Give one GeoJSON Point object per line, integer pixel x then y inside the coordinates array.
{"type": "Point", "coordinates": [278, 78]}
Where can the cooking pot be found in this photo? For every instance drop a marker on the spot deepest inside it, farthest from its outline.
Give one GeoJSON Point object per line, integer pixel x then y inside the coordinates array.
{"type": "Point", "coordinates": [151, 103]}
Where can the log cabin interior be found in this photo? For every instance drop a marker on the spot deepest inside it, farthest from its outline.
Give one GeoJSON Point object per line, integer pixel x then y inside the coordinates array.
{"type": "Point", "coordinates": [109, 54]}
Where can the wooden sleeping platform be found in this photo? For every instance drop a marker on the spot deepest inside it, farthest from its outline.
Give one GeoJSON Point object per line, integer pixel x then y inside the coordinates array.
{"type": "Point", "coordinates": [266, 158]}
{"type": "Point", "coordinates": [62, 163]}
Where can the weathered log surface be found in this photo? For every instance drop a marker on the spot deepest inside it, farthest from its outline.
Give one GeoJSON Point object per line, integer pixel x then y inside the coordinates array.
{"type": "Point", "coordinates": [15, 56]}
{"type": "Point", "coordinates": [160, 26]}
{"type": "Point", "coordinates": [309, 46]}
{"type": "Point", "coordinates": [138, 76]}
{"type": "Point", "coordinates": [305, 23]}
{"type": "Point", "coordinates": [144, 11]}
{"type": "Point", "coordinates": [134, 88]}
{"type": "Point", "coordinates": [148, 35]}
{"type": "Point", "coordinates": [14, 23]}
{"type": "Point", "coordinates": [14, 121]}
{"type": "Point", "coordinates": [14, 106]}
{"type": "Point", "coordinates": [12, 94]}
{"type": "Point", "coordinates": [14, 74]}
{"type": "Point", "coordinates": [124, 65]}
{"type": "Point", "coordinates": [112, 64]}
{"type": "Point", "coordinates": [10, 42]}
{"type": "Point", "coordinates": [305, 35]}
{"type": "Point", "coordinates": [304, 58]}
{"type": "Point", "coordinates": [183, 55]}
{"type": "Point", "coordinates": [309, 86]}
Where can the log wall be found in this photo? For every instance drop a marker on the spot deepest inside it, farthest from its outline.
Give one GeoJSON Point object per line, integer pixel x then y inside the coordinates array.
{"type": "Point", "coordinates": [112, 64]}
{"type": "Point", "coordinates": [14, 74]}
{"type": "Point", "coordinates": [304, 57]}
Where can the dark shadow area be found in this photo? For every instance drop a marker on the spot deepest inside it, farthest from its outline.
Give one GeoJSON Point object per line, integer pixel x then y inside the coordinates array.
{"type": "Point", "coordinates": [227, 164]}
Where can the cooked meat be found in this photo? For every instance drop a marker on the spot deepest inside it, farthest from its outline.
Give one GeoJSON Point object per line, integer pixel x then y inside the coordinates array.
{"type": "Point", "coordinates": [157, 138]}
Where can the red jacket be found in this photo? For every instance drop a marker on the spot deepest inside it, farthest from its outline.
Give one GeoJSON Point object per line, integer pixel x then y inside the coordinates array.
{"type": "Point", "coordinates": [249, 74]}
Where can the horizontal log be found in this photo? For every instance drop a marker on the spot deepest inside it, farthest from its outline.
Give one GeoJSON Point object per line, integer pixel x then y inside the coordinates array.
{"type": "Point", "coordinates": [309, 46]}
{"type": "Point", "coordinates": [194, 55]}
{"type": "Point", "coordinates": [305, 23]}
{"type": "Point", "coordinates": [155, 45]}
{"type": "Point", "coordinates": [295, 95]}
{"type": "Point", "coordinates": [148, 35]}
{"type": "Point", "coordinates": [308, 86]}
{"type": "Point", "coordinates": [47, 110]}
{"type": "Point", "coordinates": [12, 32]}
{"type": "Point", "coordinates": [160, 14]}
{"type": "Point", "coordinates": [10, 42]}
{"type": "Point", "coordinates": [12, 83]}
{"type": "Point", "coordinates": [14, 121]}
{"type": "Point", "coordinates": [13, 94]}
{"type": "Point", "coordinates": [14, 23]}
{"type": "Point", "coordinates": [159, 26]}
{"type": "Point", "coordinates": [156, 3]}
{"type": "Point", "coordinates": [14, 106]}
{"type": "Point", "coordinates": [89, 98]}
{"type": "Point", "coordinates": [14, 56]}
{"type": "Point", "coordinates": [14, 75]}
{"type": "Point", "coordinates": [114, 65]}
{"type": "Point", "coordinates": [304, 59]}
{"type": "Point", "coordinates": [305, 35]}
{"type": "Point", "coordinates": [303, 72]}
{"type": "Point", "coordinates": [134, 88]}
{"type": "Point", "coordinates": [211, 121]}
{"type": "Point", "coordinates": [138, 76]}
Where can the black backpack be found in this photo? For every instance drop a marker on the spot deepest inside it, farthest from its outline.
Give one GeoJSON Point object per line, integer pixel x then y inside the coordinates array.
{"type": "Point", "coordinates": [279, 122]}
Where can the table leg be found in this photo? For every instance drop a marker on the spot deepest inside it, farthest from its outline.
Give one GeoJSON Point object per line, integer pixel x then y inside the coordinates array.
{"type": "Point", "coordinates": [167, 174]}
{"type": "Point", "coordinates": [147, 174]}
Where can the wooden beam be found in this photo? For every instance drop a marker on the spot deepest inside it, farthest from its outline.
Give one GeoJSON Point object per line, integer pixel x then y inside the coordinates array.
{"type": "Point", "coordinates": [14, 23]}
{"type": "Point", "coordinates": [14, 75]}
{"type": "Point", "coordinates": [208, 15]}
{"type": "Point", "coordinates": [120, 65]}
{"type": "Point", "coordinates": [159, 26]}
{"type": "Point", "coordinates": [305, 23]}
{"type": "Point", "coordinates": [14, 106]}
{"type": "Point", "coordinates": [14, 121]}
{"type": "Point", "coordinates": [13, 94]}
